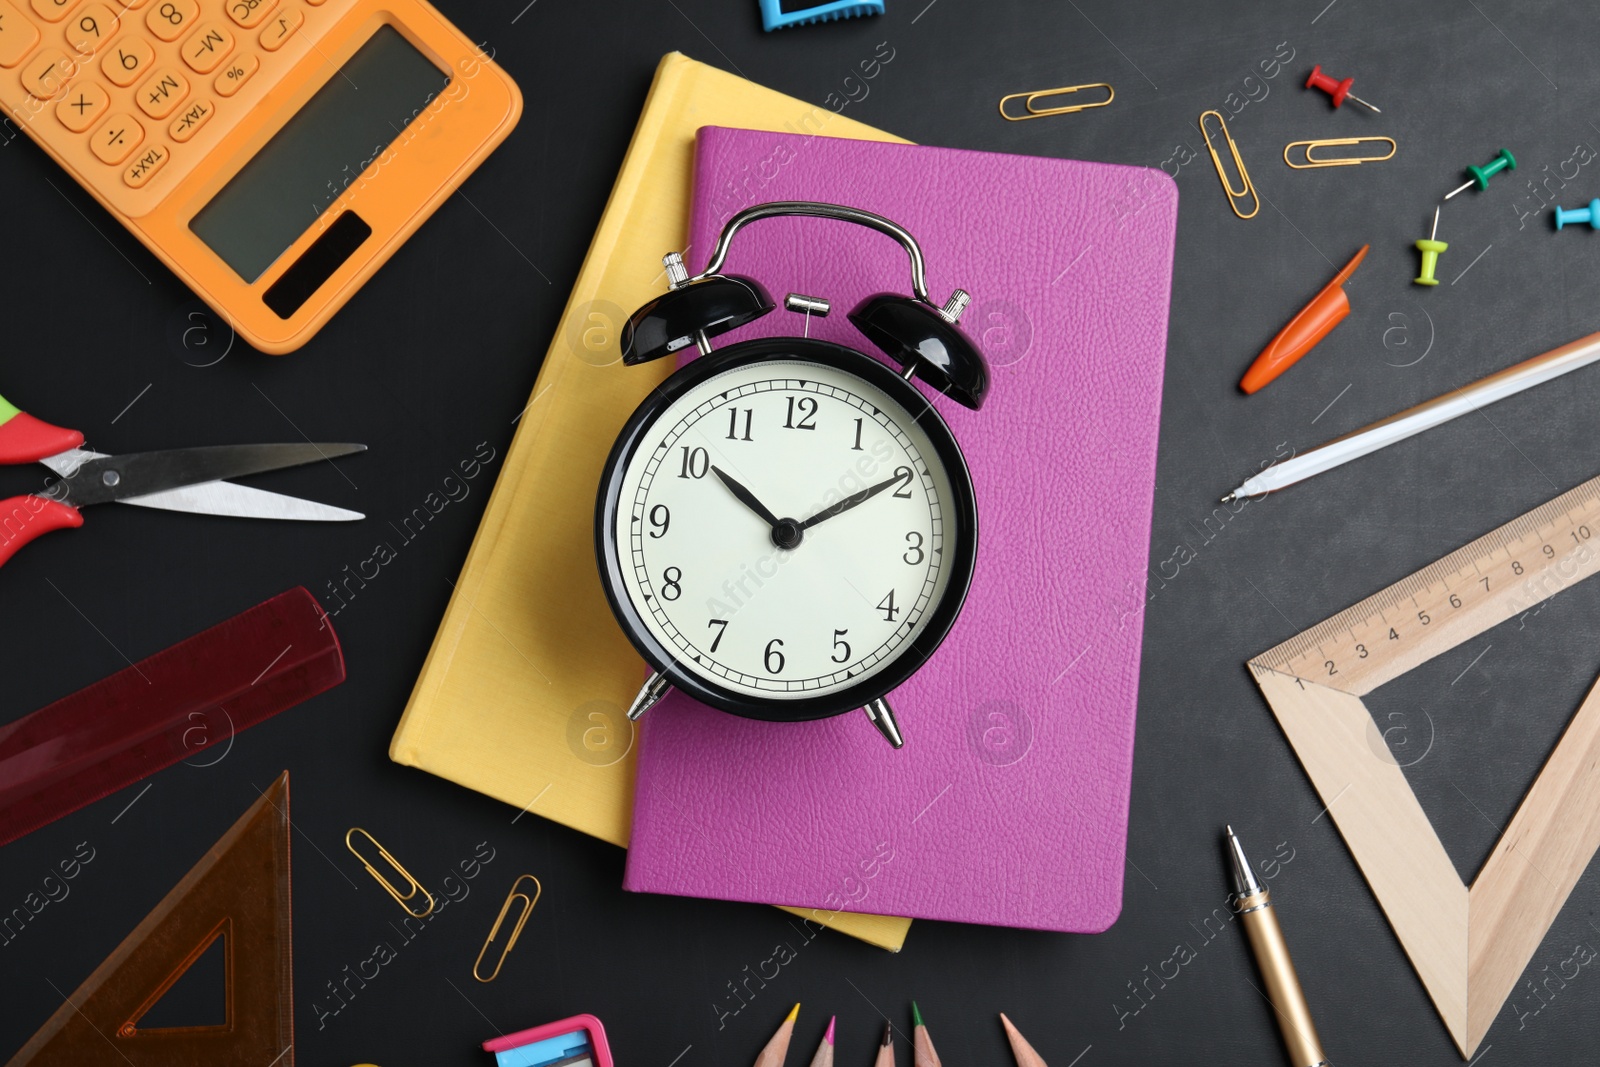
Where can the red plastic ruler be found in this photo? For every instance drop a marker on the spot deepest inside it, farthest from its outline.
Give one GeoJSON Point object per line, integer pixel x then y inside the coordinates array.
{"type": "Point", "coordinates": [164, 709]}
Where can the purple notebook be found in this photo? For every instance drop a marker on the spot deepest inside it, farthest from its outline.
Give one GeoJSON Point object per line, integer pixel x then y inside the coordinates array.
{"type": "Point", "coordinates": [1009, 803]}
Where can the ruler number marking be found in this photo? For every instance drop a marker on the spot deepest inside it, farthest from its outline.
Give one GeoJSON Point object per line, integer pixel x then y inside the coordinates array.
{"type": "Point", "coordinates": [1431, 588]}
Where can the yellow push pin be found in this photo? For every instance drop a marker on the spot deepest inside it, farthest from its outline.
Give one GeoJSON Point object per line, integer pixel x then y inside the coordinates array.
{"type": "Point", "coordinates": [1430, 249]}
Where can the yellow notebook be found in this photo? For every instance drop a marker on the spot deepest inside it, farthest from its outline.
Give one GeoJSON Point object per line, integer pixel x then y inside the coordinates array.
{"type": "Point", "coordinates": [523, 694]}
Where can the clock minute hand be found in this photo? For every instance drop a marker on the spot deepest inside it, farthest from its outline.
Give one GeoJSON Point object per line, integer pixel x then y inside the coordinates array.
{"type": "Point", "coordinates": [850, 501]}
{"type": "Point", "coordinates": [746, 497]}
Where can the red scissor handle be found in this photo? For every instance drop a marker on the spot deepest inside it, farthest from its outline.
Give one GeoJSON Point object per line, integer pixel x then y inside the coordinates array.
{"type": "Point", "coordinates": [28, 518]}
{"type": "Point", "coordinates": [25, 439]}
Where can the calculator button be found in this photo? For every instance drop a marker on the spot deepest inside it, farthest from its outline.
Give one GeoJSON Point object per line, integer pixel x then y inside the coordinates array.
{"type": "Point", "coordinates": [249, 13]}
{"type": "Point", "coordinates": [17, 35]}
{"type": "Point", "coordinates": [161, 95]}
{"type": "Point", "coordinates": [53, 10]}
{"type": "Point", "coordinates": [48, 73]}
{"type": "Point", "coordinates": [208, 47]}
{"type": "Point", "coordinates": [171, 19]}
{"type": "Point", "coordinates": [116, 139]}
{"type": "Point", "coordinates": [90, 28]}
{"type": "Point", "coordinates": [142, 169]}
{"type": "Point", "coordinates": [280, 29]}
{"type": "Point", "coordinates": [190, 119]}
{"type": "Point", "coordinates": [83, 107]}
{"type": "Point", "coordinates": [236, 73]}
{"type": "Point", "coordinates": [127, 60]}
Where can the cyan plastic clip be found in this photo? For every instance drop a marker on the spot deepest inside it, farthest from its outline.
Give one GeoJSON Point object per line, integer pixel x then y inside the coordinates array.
{"type": "Point", "coordinates": [773, 17]}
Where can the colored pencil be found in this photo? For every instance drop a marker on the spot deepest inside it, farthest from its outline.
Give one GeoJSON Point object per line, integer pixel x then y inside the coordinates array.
{"type": "Point", "coordinates": [922, 1054]}
{"type": "Point", "coordinates": [824, 1056]}
{"type": "Point", "coordinates": [1024, 1053]}
{"type": "Point", "coordinates": [886, 1050]}
{"type": "Point", "coordinates": [778, 1047]}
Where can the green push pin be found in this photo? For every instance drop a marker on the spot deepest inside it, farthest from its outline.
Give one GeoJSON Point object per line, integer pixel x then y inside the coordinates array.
{"type": "Point", "coordinates": [1430, 249]}
{"type": "Point", "coordinates": [1481, 175]}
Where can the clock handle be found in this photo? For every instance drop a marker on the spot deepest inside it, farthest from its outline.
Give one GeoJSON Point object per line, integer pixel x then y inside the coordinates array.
{"type": "Point", "coordinates": [882, 717]}
{"type": "Point", "coordinates": [781, 208]}
{"type": "Point", "coordinates": [655, 687]}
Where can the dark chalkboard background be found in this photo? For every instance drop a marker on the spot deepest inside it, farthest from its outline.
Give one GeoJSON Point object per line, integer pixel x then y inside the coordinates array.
{"type": "Point", "coordinates": [439, 353]}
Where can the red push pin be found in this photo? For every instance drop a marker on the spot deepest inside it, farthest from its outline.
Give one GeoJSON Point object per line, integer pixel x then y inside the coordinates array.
{"type": "Point", "coordinates": [1336, 89]}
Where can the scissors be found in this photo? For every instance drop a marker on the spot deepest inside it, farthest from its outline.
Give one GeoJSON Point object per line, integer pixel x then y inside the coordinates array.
{"type": "Point", "coordinates": [181, 479]}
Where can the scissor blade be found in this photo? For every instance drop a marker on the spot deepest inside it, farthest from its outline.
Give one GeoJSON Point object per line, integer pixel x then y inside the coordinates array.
{"type": "Point", "coordinates": [216, 498]}
{"type": "Point", "coordinates": [110, 478]}
{"type": "Point", "coordinates": [66, 463]}
{"type": "Point", "coordinates": [241, 502]}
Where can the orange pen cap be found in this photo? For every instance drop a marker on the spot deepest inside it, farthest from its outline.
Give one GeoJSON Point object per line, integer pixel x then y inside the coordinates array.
{"type": "Point", "coordinates": [1326, 310]}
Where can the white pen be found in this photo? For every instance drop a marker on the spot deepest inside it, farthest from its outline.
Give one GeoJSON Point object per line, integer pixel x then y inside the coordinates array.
{"type": "Point", "coordinates": [1425, 416]}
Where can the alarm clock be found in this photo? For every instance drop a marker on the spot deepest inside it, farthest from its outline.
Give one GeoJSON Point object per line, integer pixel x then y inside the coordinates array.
{"type": "Point", "coordinates": [786, 528]}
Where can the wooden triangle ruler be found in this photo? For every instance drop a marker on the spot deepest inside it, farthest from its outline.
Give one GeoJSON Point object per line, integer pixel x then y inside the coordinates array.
{"type": "Point", "coordinates": [239, 891]}
{"type": "Point", "coordinates": [1468, 945]}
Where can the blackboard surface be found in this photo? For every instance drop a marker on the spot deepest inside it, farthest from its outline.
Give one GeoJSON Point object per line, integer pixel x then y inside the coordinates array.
{"type": "Point", "coordinates": [437, 356]}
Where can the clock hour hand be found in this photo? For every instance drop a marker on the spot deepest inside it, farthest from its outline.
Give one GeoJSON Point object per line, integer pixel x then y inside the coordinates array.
{"type": "Point", "coordinates": [746, 497]}
{"type": "Point", "coordinates": [850, 501]}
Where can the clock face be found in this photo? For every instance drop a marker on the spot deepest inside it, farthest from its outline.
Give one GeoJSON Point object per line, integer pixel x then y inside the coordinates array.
{"type": "Point", "coordinates": [786, 529]}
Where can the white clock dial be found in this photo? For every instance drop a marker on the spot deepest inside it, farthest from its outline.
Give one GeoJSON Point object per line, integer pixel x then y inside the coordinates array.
{"type": "Point", "coordinates": [804, 442]}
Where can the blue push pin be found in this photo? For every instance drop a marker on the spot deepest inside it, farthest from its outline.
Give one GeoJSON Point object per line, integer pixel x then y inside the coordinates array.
{"type": "Point", "coordinates": [1590, 214]}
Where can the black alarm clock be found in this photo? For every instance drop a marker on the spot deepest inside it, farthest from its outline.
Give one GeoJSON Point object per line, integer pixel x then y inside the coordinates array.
{"type": "Point", "coordinates": [786, 528]}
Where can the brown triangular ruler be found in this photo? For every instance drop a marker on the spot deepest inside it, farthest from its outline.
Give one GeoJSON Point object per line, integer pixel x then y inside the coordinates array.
{"type": "Point", "coordinates": [1468, 945]}
{"type": "Point", "coordinates": [239, 891]}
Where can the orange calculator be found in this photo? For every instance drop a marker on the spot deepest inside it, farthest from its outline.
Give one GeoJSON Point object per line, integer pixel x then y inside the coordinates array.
{"type": "Point", "coordinates": [273, 153]}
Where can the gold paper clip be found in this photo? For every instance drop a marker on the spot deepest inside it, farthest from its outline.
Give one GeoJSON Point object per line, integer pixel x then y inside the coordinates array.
{"type": "Point", "coordinates": [516, 931]}
{"type": "Point", "coordinates": [383, 853]}
{"type": "Point", "coordinates": [1249, 189]}
{"type": "Point", "coordinates": [1039, 113]}
{"type": "Point", "coordinates": [1350, 161]}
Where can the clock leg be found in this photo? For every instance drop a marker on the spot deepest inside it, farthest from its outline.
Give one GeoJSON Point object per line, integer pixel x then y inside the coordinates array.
{"type": "Point", "coordinates": [654, 689]}
{"type": "Point", "coordinates": [883, 718]}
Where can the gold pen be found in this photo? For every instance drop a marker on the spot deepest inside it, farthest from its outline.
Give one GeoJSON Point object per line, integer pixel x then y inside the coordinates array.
{"type": "Point", "coordinates": [1260, 921]}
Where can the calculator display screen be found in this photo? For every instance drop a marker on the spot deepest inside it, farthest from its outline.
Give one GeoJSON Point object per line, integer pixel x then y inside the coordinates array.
{"type": "Point", "coordinates": [319, 153]}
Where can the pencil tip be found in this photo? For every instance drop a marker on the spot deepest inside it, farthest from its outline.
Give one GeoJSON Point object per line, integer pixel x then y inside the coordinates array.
{"type": "Point", "coordinates": [888, 1032]}
{"type": "Point", "coordinates": [828, 1037]}
{"type": "Point", "coordinates": [916, 1015]}
{"type": "Point", "coordinates": [794, 1013]}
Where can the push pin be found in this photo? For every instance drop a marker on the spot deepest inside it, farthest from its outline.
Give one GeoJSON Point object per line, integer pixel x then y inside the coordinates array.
{"type": "Point", "coordinates": [1339, 90]}
{"type": "Point", "coordinates": [1580, 215]}
{"type": "Point", "coordinates": [1481, 175]}
{"type": "Point", "coordinates": [1430, 250]}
